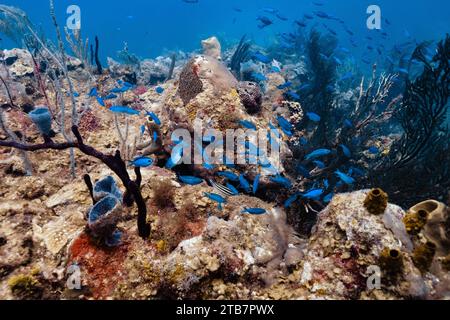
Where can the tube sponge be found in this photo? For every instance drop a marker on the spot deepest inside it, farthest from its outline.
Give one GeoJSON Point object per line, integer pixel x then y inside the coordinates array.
{"type": "Point", "coordinates": [415, 221]}
{"type": "Point", "coordinates": [376, 201]}
{"type": "Point", "coordinates": [423, 256]}
{"type": "Point", "coordinates": [391, 261]}
{"type": "Point", "coordinates": [103, 219]}
{"type": "Point", "coordinates": [106, 187]}
{"type": "Point", "coordinates": [42, 119]}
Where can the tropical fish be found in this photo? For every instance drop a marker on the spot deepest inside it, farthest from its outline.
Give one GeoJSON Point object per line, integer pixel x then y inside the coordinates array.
{"type": "Point", "coordinates": [244, 183]}
{"type": "Point", "coordinates": [346, 76]}
{"type": "Point", "coordinates": [301, 23]}
{"type": "Point", "coordinates": [93, 92]}
{"type": "Point", "coordinates": [374, 150]}
{"type": "Point", "coordinates": [191, 180]}
{"type": "Point", "coordinates": [100, 101]}
{"type": "Point", "coordinates": [233, 189]}
{"type": "Point", "coordinates": [318, 153]}
{"type": "Point", "coordinates": [293, 95]}
{"type": "Point", "coordinates": [265, 22]}
{"type": "Point", "coordinates": [142, 130]}
{"type": "Point", "coordinates": [123, 109]}
{"type": "Point", "coordinates": [256, 183]}
{"type": "Point", "coordinates": [159, 90]}
{"type": "Point", "coordinates": [258, 76]}
{"type": "Point", "coordinates": [346, 150]}
{"type": "Point", "coordinates": [328, 197]}
{"type": "Point", "coordinates": [345, 178]}
{"type": "Point", "coordinates": [288, 203]}
{"type": "Point", "coordinates": [313, 194]}
{"type": "Point", "coordinates": [175, 158]}
{"type": "Point", "coordinates": [285, 85]}
{"type": "Point", "coordinates": [322, 14]}
{"type": "Point", "coordinates": [255, 211]}
{"type": "Point", "coordinates": [326, 184]}
{"type": "Point", "coordinates": [154, 117]}
{"type": "Point", "coordinates": [76, 94]}
{"type": "Point", "coordinates": [261, 57]}
{"type": "Point", "coordinates": [116, 90]}
{"type": "Point", "coordinates": [308, 16]}
{"type": "Point", "coordinates": [142, 162]}
{"type": "Point", "coordinates": [313, 116]}
{"type": "Point", "coordinates": [228, 175]}
{"type": "Point", "coordinates": [285, 182]}
{"type": "Point", "coordinates": [110, 96]}
{"type": "Point", "coordinates": [247, 124]}
{"type": "Point", "coordinates": [284, 123]}
{"type": "Point", "coordinates": [319, 164]}
{"type": "Point", "coordinates": [275, 69]}
{"type": "Point", "coordinates": [281, 17]}
{"type": "Point", "coordinates": [216, 198]}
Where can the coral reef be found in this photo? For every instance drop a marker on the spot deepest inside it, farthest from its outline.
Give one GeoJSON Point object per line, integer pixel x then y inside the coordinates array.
{"type": "Point", "coordinates": [251, 96]}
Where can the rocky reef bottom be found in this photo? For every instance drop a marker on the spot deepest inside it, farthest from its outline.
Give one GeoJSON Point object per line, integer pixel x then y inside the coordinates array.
{"type": "Point", "coordinates": [196, 251]}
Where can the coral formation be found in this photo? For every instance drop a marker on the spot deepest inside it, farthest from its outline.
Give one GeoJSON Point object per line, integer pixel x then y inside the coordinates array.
{"type": "Point", "coordinates": [212, 48]}
{"type": "Point", "coordinates": [251, 96]}
{"type": "Point", "coordinates": [423, 256]}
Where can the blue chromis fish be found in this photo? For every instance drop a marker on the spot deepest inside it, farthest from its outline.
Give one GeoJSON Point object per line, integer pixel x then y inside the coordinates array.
{"type": "Point", "coordinates": [124, 109]}
{"type": "Point", "coordinates": [288, 203]}
{"type": "Point", "coordinates": [318, 153]}
{"type": "Point", "coordinates": [319, 164]}
{"type": "Point", "coordinates": [285, 182]}
{"type": "Point", "coordinates": [258, 76]}
{"type": "Point", "coordinates": [159, 90]}
{"type": "Point", "coordinates": [374, 150]}
{"type": "Point", "coordinates": [344, 177]}
{"type": "Point", "coordinates": [116, 90]}
{"type": "Point", "coordinates": [255, 211]}
{"type": "Point", "coordinates": [244, 183]}
{"type": "Point", "coordinates": [285, 85]}
{"type": "Point", "coordinates": [175, 158]}
{"type": "Point", "coordinates": [76, 94]}
{"type": "Point", "coordinates": [228, 175]}
{"type": "Point", "coordinates": [313, 116]}
{"type": "Point", "coordinates": [261, 57]}
{"type": "Point", "coordinates": [283, 123]}
{"type": "Point", "coordinates": [216, 198]}
{"type": "Point", "coordinates": [110, 96]}
{"type": "Point", "coordinates": [313, 194]}
{"type": "Point", "coordinates": [293, 95]}
{"type": "Point", "coordinates": [275, 69]}
{"type": "Point", "coordinates": [233, 190]}
{"type": "Point", "coordinates": [154, 117]}
{"type": "Point", "coordinates": [256, 183]}
{"type": "Point", "coordinates": [93, 92]}
{"type": "Point", "coordinates": [346, 150]}
{"type": "Point", "coordinates": [142, 130]}
{"type": "Point", "coordinates": [142, 162]}
{"type": "Point", "coordinates": [190, 180]}
{"type": "Point", "coordinates": [328, 198]}
{"type": "Point", "coordinates": [100, 101]}
{"type": "Point", "coordinates": [247, 124]}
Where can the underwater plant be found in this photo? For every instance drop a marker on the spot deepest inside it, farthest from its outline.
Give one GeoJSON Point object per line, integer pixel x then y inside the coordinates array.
{"type": "Point", "coordinates": [241, 54]}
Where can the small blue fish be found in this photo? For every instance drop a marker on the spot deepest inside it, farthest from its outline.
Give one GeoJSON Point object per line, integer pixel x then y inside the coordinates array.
{"type": "Point", "coordinates": [261, 58]}
{"type": "Point", "coordinates": [313, 116]}
{"type": "Point", "coordinates": [345, 178]}
{"type": "Point", "coordinates": [255, 211]}
{"type": "Point", "coordinates": [155, 136]}
{"type": "Point", "coordinates": [123, 109]}
{"type": "Point", "coordinates": [244, 183]}
{"type": "Point", "coordinates": [127, 84]}
{"type": "Point", "coordinates": [116, 90]}
{"type": "Point", "coordinates": [100, 101]}
{"type": "Point", "coordinates": [328, 198]}
{"type": "Point", "coordinates": [275, 69]}
{"type": "Point", "coordinates": [284, 85]}
{"type": "Point", "coordinates": [319, 164]}
{"type": "Point", "coordinates": [348, 123]}
{"type": "Point", "coordinates": [283, 123]}
{"type": "Point", "coordinates": [142, 130]}
{"type": "Point", "coordinates": [142, 162]}
{"type": "Point", "coordinates": [287, 132]}
{"type": "Point", "coordinates": [232, 189]}
{"type": "Point", "coordinates": [326, 184]}
{"type": "Point", "coordinates": [288, 203]}
{"type": "Point", "coordinates": [346, 150]}
{"type": "Point", "coordinates": [228, 175]}
{"type": "Point", "coordinates": [216, 198]}
{"type": "Point", "coordinates": [175, 158]}
{"type": "Point", "coordinates": [256, 183]}
{"type": "Point", "coordinates": [154, 117]}
{"type": "Point", "coordinates": [374, 150]}
{"type": "Point", "coordinates": [346, 76]}
{"type": "Point", "coordinates": [93, 92]}
{"type": "Point", "coordinates": [258, 76]}
{"type": "Point", "coordinates": [159, 90]}
{"type": "Point", "coordinates": [190, 180]}
{"type": "Point", "coordinates": [293, 95]}
{"type": "Point", "coordinates": [110, 96]}
{"type": "Point", "coordinates": [318, 153]}
{"type": "Point", "coordinates": [285, 182]}
{"type": "Point", "coordinates": [313, 194]}
{"type": "Point", "coordinates": [303, 171]}
{"type": "Point", "coordinates": [76, 94]}
{"type": "Point", "coordinates": [247, 124]}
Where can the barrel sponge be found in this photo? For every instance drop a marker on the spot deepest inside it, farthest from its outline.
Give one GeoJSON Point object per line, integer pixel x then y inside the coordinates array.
{"type": "Point", "coordinates": [106, 187]}
{"type": "Point", "coordinates": [103, 218]}
{"type": "Point", "coordinates": [423, 256]}
{"type": "Point", "coordinates": [376, 201]}
{"type": "Point", "coordinates": [42, 118]}
{"type": "Point", "coordinates": [391, 261]}
{"type": "Point", "coordinates": [437, 228]}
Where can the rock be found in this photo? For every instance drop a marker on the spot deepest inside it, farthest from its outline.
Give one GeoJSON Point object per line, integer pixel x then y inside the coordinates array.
{"type": "Point", "coordinates": [19, 61]}
{"type": "Point", "coordinates": [212, 48]}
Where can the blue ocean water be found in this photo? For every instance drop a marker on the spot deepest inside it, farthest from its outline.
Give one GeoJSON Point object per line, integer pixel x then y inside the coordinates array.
{"type": "Point", "coordinates": [151, 27]}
